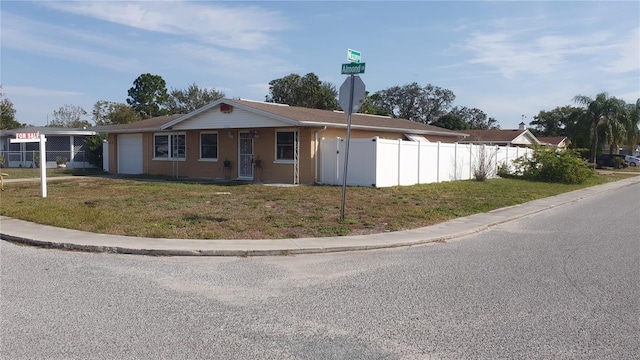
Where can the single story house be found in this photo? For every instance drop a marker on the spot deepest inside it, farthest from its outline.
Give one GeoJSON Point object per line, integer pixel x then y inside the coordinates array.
{"type": "Point", "coordinates": [67, 143]}
{"type": "Point", "coordinates": [559, 142]}
{"type": "Point", "coordinates": [519, 137]}
{"type": "Point", "coordinates": [248, 140]}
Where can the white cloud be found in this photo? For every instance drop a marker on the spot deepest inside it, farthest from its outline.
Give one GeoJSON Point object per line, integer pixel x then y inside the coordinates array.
{"type": "Point", "coordinates": [237, 27]}
{"type": "Point", "coordinates": [27, 91]}
{"type": "Point", "coordinates": [515, 54]}
{"type": "Point", "coordinates": [62, 43]}
{"type": "Point", "coordinates": [626, 54]}
{"type": "Point", "coordinates": [259, 89]}
{"type": "Point", "coordinates": [542, 45]}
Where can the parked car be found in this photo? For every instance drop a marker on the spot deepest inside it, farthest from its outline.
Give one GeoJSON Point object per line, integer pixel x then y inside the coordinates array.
{"type": "Point", "coordinates": [633, 160]}
{"type": "Point", "coordinates": [609, 160]}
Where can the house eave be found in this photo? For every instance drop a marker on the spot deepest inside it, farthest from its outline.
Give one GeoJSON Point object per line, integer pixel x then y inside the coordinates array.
{"type": "Point", "coordinates": [382, 128]}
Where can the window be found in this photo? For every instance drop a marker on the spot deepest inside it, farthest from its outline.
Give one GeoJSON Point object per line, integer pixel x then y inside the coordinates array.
{"type": "Point", "coordinates": [170, 146]}
{"type": "Point", "coordinates": [284, 145]}
{"type": "Point", "coordinates": [209, 146]}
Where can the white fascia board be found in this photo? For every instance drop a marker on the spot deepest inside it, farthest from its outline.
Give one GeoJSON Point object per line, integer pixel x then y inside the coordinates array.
{"type": "Point", "coordinates": [526, 138]}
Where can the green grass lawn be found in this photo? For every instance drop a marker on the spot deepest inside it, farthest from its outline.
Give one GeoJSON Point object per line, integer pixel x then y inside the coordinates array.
{"type": "Point", "coordinates": [174, 209]}
{"type": "Point", "coordinates": [23, 173]}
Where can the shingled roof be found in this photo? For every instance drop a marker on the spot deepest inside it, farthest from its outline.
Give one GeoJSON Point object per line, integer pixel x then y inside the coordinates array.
{"type": "Point", "coordinates": [317, 117]}
{"type": "Point", "coordinates": [152, 124]}
{"type": "Point", "coordinates": [296, 116]}
{"type": "Point", "coordinates": [301, 116]}
{"type": "Point", "coordinates": [494, 136]}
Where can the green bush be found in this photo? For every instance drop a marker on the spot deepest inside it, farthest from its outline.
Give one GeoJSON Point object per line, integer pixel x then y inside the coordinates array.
{"type": "Point", "coordinates": [618, 162]}
{"type": "Point", "coordinates": [94, 145]}
{"type": "Point", "coordinates": [554, 166]}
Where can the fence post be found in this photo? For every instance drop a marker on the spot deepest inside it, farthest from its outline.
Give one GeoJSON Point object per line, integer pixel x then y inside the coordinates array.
{"type": "Point", "coordinates": [419, 162]}
{"type": "Point", "coordinates": [438, 163]}
{"type": "Point", "coordinates": [455, 160]}
{"type": "Point", "coordinates": [471, 146]}
{"type": "Point", "coordinates": [399, 161]}
{"type": "Point", "coordinates": [338, 140]}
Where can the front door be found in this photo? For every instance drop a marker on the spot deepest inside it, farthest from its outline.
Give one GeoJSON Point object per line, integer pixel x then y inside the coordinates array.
{"type": "Point", "coordinates": [245, 153]}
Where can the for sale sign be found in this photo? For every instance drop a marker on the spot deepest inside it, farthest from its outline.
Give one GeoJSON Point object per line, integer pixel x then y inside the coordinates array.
{"type": "Point", "coordinates": [26, 137]}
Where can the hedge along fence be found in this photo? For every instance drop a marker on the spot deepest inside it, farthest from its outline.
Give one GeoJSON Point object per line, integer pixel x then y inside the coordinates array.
{"type": "Point", "coordinates": [379, 162]}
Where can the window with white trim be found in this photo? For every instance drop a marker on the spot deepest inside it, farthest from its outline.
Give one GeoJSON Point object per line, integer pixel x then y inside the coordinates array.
{"type": "Point", "coordinates": [169, 146]}
{"type": "Point", "coordinates": [284, 145]}
{"type": "Point", "coordinates": [209, 146]}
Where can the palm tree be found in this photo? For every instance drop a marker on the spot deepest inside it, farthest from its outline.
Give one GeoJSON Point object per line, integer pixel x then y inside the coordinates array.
{"type": "Point", "coordinates": [632, 124]}
{"type": "Point", "coordinates": [603, 113]}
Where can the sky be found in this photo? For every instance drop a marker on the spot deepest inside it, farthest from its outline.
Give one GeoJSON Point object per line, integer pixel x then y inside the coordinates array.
{"type": "Point", "coordinates": [511, 59]}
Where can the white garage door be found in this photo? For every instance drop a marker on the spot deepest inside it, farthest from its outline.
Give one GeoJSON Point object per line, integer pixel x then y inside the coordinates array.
{"type": "Point", "coordinates": [130, 154]}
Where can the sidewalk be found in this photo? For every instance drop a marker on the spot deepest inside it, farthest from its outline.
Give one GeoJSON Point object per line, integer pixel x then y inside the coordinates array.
{"type": "Point", "coordinates": [51, 237]}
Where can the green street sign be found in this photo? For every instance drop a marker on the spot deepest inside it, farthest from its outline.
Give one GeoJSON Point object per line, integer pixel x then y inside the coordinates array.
{"type": "Point", "coordinates": [352, 69]}
{"type": "Point", "coordinates": [353, 56]}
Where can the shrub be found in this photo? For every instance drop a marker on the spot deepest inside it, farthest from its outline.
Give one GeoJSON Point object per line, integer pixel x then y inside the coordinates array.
{"type": "Point", "coordinates": [546, 165]}
{"type": "Point", "coordinates": [485, 163]}
{"type": "Point", "coordinates": [618, 162]}
{"type": "Point", "coordinates": [94, 145]}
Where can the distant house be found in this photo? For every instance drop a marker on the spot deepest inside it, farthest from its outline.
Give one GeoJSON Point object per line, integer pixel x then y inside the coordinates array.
{"type": "Point", "coordinates": [67, 143]}
{"type": "Point", "coordinates": [560, 142]}
{"type": "Point", "coordinates": [248, 140]}
{"type": "Point", "coordinates": [519, 137]}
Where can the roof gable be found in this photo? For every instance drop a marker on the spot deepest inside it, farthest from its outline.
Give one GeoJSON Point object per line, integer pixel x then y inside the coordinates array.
{"type": "Point", "coordinates": [516, 137]}
{"type": "Point", "coordinates": [236, 115]}
{"type": "Point", "coordinates": [558, 141]}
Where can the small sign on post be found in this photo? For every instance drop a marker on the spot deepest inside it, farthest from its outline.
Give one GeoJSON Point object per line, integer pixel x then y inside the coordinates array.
{"type": "Point", "coordinates": [353, 68]}
{"type": "Point", "coordinates": [353, 56]}
{"type": "Point", "coordinates": [36, 137]}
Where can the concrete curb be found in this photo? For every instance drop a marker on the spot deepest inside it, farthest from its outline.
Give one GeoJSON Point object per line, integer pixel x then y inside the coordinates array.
{"type": "Point", "coordinates": [27, 233]}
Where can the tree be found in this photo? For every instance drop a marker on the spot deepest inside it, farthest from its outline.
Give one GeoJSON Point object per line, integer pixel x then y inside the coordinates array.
{"type": "Point", "coordinates": [193, 97]}
{"type": "Point", "coordinates": [601, 112]}
{"type": "Point", "coordinates": [7, 114]}
{"type": "Point", "coordinates": [307, 91]}
{"type": "Point", "coordinates": [148, 96]}
{"type": "Point", "coordinates": [69, 116]}
{"type": "Point", "coordinates": [475, 118]}
{"type": "Point", "coordinates": [451, 121]}
{"type": "Point", "coordinates": [111, 113]}
{"type": "Point", "coordinates": [555, 122]}
{"type": "Point", "coordinates": [369, 106]}
{"type": "Point", "coordinates": [633, 123]}
{"type": "Point", "coordinates": [94, 146]}
{"type": "Point", "coordinates": [412, 102]}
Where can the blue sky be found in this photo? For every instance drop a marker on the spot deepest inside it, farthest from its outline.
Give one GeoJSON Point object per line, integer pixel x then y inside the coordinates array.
{"type": "Point", "coordinates": [506, 58]}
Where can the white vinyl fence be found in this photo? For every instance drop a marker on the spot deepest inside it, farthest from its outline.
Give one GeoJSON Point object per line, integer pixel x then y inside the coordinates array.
{"type": "Point", "coordinates": [382, 163]}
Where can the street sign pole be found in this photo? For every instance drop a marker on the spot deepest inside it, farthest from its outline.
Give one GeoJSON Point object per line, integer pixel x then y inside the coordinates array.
{"type": "Point", "coordinates": [352, 96]}
{"type": "Point", "coordinates": [346, 149]}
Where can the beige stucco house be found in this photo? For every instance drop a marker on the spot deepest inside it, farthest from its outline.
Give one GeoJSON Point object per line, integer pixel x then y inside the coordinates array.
{"type": "Point", "coordinates": [248, 140]}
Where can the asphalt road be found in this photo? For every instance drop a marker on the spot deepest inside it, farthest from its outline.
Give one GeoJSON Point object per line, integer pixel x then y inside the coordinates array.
{"type": "Point", "coordinates": [562, 284]}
